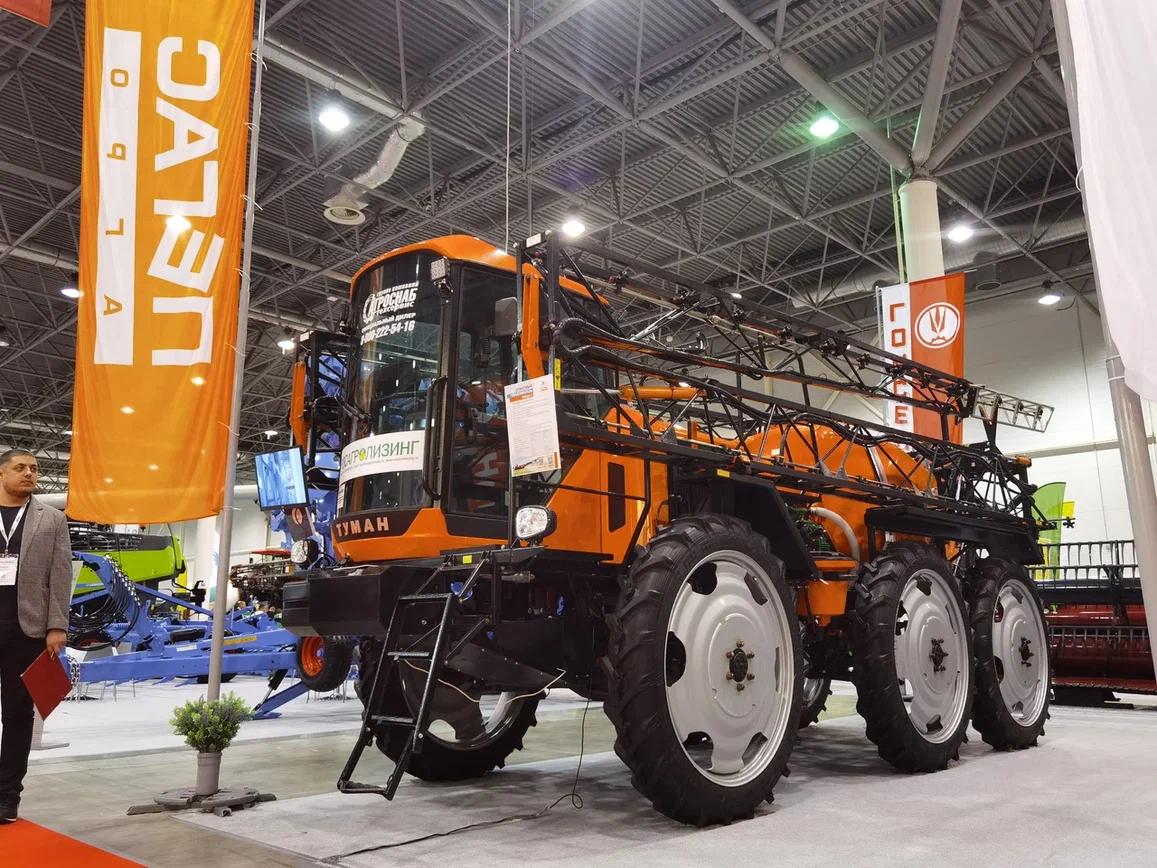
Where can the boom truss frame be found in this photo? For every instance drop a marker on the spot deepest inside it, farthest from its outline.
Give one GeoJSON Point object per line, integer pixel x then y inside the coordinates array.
{"type": "Point", "coordinates": [761, 344]}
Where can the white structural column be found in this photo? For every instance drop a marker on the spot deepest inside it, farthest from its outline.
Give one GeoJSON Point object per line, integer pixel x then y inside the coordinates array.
{"type": "Point", "coordinates": [205, 553]}
{"type": "Point", "coordinates": [1135, 462]}
{"type": "Point", "coordinates": [920, 220]}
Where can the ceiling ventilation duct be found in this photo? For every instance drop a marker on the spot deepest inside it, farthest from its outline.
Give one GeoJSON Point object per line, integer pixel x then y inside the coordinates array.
{"type": "Point", "coordinates": [985, 275]}
{"type": "Point", "coordinates": [348, 204]}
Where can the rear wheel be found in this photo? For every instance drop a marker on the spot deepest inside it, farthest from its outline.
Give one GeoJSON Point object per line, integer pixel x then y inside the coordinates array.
{"type": "Point", "coordinates": [1012, 659]}
{"type": "Point", "coordinates": [707, 666]}
{"type": "Point", "coordinates": [469, 733]}
{"type": "Point", "coordinates": [912, 657]}
{"type": "Point", "coordinates": [815, 698]}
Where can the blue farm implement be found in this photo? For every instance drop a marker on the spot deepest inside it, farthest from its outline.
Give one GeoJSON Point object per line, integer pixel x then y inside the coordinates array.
{"type": "Point", "coordinates": [164, 638]}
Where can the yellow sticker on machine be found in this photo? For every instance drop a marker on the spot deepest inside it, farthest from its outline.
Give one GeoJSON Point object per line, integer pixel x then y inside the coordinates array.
{"type": "Point", "coordinates": [723, 473]}
{"type": "Point", "coordinates": [558, 375]}
{"type": "Point", "coordinates": [237, 640]}
{"type": "Point", "coordinates": [467, 560]}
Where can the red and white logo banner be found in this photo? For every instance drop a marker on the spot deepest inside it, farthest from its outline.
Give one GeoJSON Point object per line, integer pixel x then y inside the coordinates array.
{"type": "Point", "coordinates": [923, 321]}
{"type": "Point", "coordinates": [166, 111]}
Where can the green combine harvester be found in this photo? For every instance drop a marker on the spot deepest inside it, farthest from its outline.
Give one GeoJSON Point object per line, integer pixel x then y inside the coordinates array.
{"type": "Point", "coordinates": [148, 559]}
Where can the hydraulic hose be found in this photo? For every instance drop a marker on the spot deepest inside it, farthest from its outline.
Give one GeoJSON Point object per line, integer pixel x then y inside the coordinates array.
{"type": "Point", "coordinates": [845, 528]}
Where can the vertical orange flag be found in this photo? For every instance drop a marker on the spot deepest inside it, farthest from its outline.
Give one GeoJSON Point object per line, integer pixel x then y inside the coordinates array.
{"type": "Point", "coordinates": [924, 321]}
{"type": "Point", "coordinates": [166, 111]}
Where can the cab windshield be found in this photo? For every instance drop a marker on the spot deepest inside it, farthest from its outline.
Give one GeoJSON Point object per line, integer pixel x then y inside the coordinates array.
{"type": "Point", "coordinates": [398, 314]}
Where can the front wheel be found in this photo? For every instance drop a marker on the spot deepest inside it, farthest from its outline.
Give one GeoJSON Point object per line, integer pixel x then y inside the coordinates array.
{"type": "Point", "coordinates": [912, 657]}
{"type": "Point", "coordinates": [707, 667]}
{"type": "Point", "coordinates": [1012, 656]}
{"type": "Point", "coordinates": [469, 733]}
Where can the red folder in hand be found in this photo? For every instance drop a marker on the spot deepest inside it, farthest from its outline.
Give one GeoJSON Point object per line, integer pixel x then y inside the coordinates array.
{"type": "Point", "coordinates": [47, 682]}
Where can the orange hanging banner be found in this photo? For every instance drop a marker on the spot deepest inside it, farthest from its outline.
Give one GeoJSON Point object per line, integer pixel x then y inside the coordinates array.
{"type": "Point", "coordinates": [166, 110]}
{"type": "Point", "coordinates": [924, 321]}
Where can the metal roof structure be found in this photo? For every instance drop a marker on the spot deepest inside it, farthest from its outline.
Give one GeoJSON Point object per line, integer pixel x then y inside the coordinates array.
{"type": "Point", "coordinates": [678, 130]}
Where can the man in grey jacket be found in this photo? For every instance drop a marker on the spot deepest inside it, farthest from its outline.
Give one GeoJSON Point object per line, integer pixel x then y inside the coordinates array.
{"type": "Point", "coordinates": [35, 593]}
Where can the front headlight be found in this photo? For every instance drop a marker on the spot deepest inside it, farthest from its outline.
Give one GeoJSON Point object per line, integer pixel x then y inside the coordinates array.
{"type": "Point", "coordinates": [534, 522]}
{"type": "Point", "coordinates": [304, 551]}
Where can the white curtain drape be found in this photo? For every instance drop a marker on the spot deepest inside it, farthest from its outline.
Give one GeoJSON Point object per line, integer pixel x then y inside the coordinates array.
{"type": "Point", "coordinates": [1115, 55]}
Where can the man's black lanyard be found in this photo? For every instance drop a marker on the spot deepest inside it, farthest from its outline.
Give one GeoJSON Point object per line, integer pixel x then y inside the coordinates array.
{"type": "Point", "coordinates": [8, 534]}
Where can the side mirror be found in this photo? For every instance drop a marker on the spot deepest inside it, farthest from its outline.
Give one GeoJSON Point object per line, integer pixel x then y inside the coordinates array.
{"type": "Point", "coordinates": [506, 317]}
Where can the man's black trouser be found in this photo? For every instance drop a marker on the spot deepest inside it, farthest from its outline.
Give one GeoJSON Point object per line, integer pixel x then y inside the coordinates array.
{"type": "Point", "coordinates": [17, 652]}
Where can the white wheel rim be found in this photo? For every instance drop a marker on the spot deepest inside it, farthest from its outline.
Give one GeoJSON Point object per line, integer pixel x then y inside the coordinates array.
{"type": "Point", "coordinates": [932, 660]}
{"type": "Point", "coordinates": [743, 728]}
{"type": "Point", "coordinates": [1020, 652]}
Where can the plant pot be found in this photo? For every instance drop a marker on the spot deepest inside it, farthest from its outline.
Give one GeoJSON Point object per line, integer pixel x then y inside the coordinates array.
{"type": "Point", "coordinates": [208, 773]}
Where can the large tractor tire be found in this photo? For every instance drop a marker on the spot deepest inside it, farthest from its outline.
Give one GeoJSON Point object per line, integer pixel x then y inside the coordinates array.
{"type": "Point", "coordinates": [1012, 656]}
{"type": "Point", "coordinates": [814, 700]}
{"type": "Point", "coordinates": [323, 663]}
{"type": "Point", "coordinates": [706, 669]}
{"type": "Point", "coordinates": [467, 735]}
{"type": "Point", "coordinates": [912, 657]}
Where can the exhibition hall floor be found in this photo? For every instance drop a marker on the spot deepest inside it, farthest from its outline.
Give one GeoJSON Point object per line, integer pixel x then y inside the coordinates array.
{"type": "Point", "coordinates": [1082, 797]}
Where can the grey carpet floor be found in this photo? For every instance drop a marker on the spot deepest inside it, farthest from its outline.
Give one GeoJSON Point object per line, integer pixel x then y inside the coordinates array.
{"type": "Point", "coordinates": [1086, 796]}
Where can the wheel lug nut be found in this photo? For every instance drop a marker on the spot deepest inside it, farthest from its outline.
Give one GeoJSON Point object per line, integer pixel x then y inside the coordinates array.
{"type": "Point", "coordinates": [738, 686]}
{"type": "Point", "coordinates": [729, 676]}
{"type": "Point", "coordinates": [750, 677]}
{"type": "Point", "coordinates": [750, 655]}
{"type": "Point", "coordinates": [738, 643]}
{"type": "Point", "coordinates": [728, 655]}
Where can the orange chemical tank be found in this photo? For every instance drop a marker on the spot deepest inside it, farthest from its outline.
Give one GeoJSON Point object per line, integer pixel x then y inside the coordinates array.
{"type": "Point", "coordinates": [803, 444]}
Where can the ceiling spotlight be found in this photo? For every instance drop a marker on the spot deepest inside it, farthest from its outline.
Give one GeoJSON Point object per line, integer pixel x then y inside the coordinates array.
{"type": "Point", "coordinates": [4, 341]}
{"type": "Point", "coordinates": [1049, 298]}
{"type": "Point", "coordinates": [824, 127]}
{"type": "Point", "coordinates": [684, 384]}
{"type": "Point", "coordinates": [333, 115]}
{"type": "Point", "coordinates": [960, 233]}
{"type": "Point", "coordinates": [573, 227]}
{"type": "Point", "coordinates": [271, 433]}
{"type": "Point", "coordinates": [67, 432]}
{"type": "Point", "coordinates": [178, 223]}
{"type": "Point", "coordinates": [70, 292]}
{"type": "Point", "coordinates": [737, 295]}
{"type": "Point", "coordinates": [287, 342]}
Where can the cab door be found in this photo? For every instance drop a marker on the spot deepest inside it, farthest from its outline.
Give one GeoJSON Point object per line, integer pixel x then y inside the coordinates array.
{"type": "Point", "coordinates": [477, 496]}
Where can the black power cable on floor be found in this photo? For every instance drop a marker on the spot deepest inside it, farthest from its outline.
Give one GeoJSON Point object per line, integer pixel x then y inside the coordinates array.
{"type": "Point", "coordinates": [575, 797]}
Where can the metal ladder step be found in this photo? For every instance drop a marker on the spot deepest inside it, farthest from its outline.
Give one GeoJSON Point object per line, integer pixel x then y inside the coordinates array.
{"type": "Point", "coordinates": [393, 720]}
{"type": "Point", "coordinates": [412, 655]}
{"type": "Point", "coordinates": [356, 787]}
{"type": "Point", "coordinates": [424, 598]}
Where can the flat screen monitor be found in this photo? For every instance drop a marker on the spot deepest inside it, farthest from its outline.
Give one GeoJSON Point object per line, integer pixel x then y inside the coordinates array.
{"type": "Point", "coordinates": [281, 479]}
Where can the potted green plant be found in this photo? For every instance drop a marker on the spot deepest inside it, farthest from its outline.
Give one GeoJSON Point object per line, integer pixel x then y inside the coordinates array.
{"type": "Point", "coordinates": [208, 727]}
